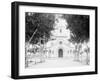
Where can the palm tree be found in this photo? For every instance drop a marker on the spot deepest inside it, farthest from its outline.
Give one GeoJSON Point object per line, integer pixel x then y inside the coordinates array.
{"type": "Point", "coordinates": [38, 26]}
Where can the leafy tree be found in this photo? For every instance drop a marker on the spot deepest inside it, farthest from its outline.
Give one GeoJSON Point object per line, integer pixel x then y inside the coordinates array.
{"type": "Point", "coordinates": [42, 22]}
{"type": "Point", "coordinates": [79, 26]}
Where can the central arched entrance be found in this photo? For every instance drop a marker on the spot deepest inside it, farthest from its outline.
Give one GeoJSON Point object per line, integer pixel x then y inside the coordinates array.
{"type": "Point", "coordinates": [60, 53]}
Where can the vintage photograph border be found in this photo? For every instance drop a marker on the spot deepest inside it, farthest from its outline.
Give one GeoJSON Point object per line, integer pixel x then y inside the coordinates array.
{"type": "Point", "coordinates": [15, 39]}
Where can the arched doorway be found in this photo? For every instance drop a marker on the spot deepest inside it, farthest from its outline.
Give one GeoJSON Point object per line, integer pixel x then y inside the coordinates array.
{"type": "Point", "coordinates": [60, 53]}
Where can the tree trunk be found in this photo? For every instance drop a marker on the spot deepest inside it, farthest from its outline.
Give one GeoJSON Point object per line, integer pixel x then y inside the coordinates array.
{"type": "Point", "coordinates": [26, 59]}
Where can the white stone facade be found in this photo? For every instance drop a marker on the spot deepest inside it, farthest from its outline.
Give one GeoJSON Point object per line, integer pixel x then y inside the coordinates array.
{"type": "Point", "coordinates": [59, 46]}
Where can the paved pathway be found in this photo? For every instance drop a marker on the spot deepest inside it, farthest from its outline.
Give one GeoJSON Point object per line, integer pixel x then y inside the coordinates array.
{"type": "Point", "coordinates": [58, 62]}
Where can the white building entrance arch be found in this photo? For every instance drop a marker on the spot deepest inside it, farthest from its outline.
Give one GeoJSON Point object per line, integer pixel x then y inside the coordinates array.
{"type": "Point", "coordinates": [60, 53]}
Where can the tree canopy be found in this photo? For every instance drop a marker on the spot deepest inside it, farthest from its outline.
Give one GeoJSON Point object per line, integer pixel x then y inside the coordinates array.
{"type": "Point", "coordinates": [43, 22]}
{"type": "Point", "coordinates": [79, 26]}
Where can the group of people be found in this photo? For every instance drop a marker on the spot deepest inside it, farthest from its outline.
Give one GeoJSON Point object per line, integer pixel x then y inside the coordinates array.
{"type": "Point", "coordinates": [34, 54]}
